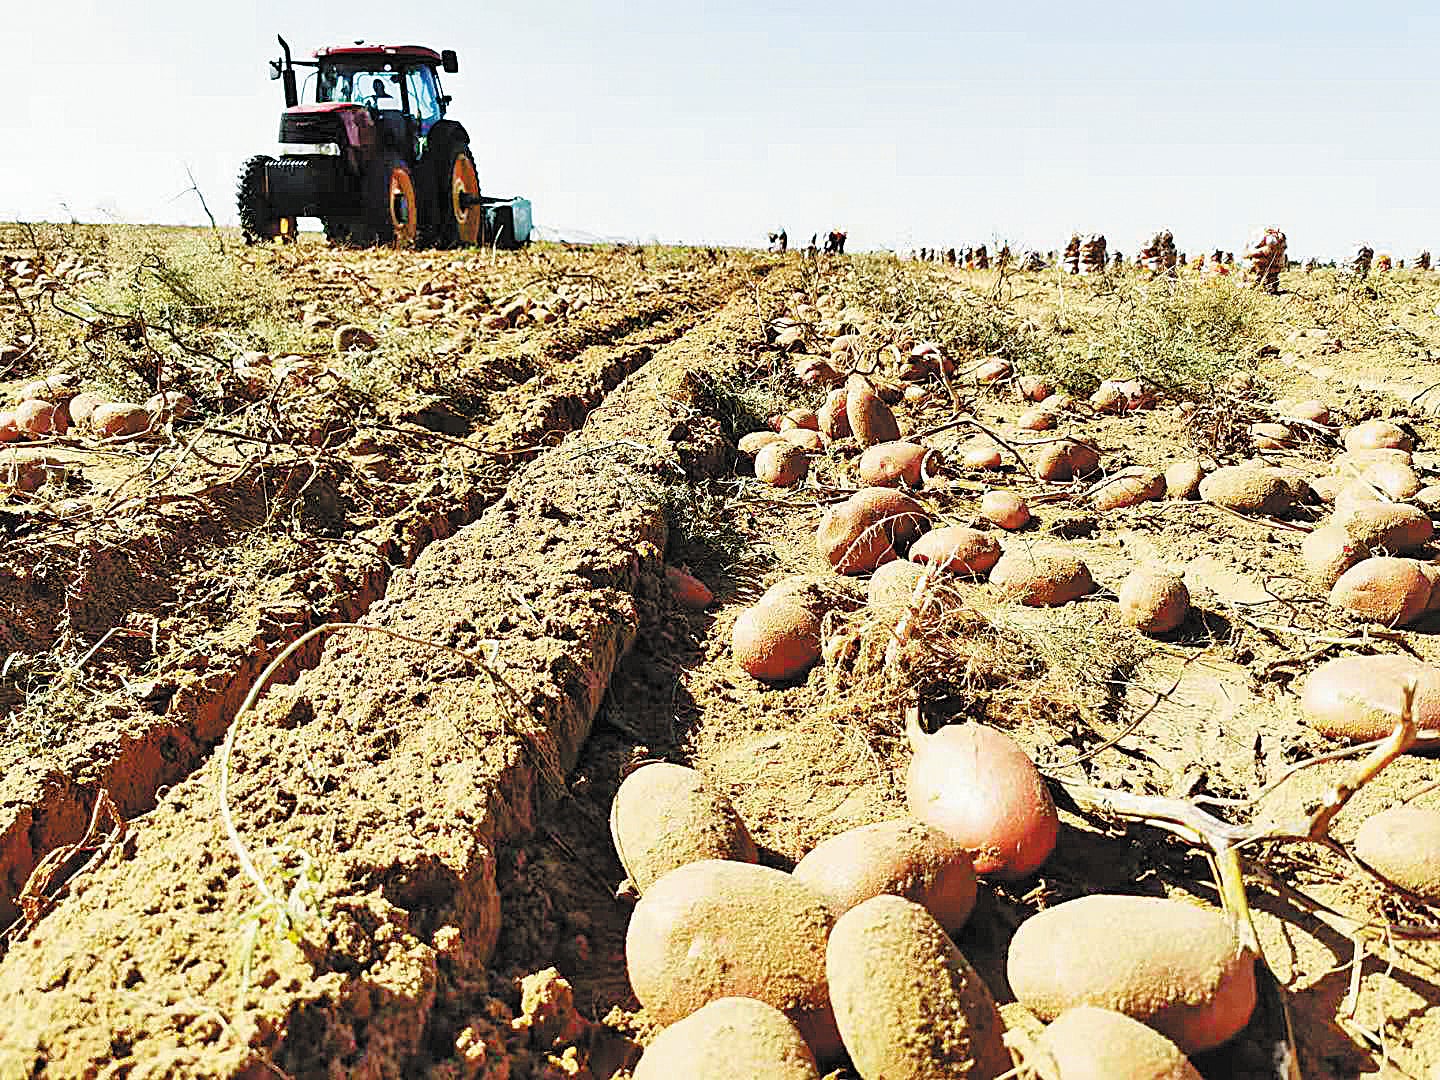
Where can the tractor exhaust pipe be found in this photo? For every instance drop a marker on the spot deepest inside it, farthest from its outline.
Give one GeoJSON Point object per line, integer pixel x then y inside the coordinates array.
{"type": "Point", "coordinates": [287, 75]}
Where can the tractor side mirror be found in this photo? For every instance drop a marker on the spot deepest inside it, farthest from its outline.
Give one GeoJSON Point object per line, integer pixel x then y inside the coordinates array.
{"type": "Point", "coordinates": [274, 70]}
{"type": "Point", "coordinates": [449, 61]}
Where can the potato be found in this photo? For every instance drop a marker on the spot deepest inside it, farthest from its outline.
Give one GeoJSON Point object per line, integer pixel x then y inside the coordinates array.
{"type": "Point", "coordinates": [800, 418]}
{"type": "Point", "coordinates": [1128, 487]}
{"type": "Point", "coordinates": [776, 642]}
{"type": "Point", "coordinates": [1066, 459]}
{"type": "Point", "coordinates": [1314, 411]}
{"type": "Point", "coordinates": [781, 464]}
{"type": "Point", "coordinates": [9, 429]}
{"type": "Point", "coordinates": [172, 404]}
{"type": "Point", "coordinates": [886, 464]}
{"type": "Point", "coordinates": [730, 1037]}
{"type": "Point", "coordinates": [755, 441]}
{"type": "Point", "coordinates": [804, 439]}
{"type": "Point", "coordinates": [902, 857]}
{"type": "Point", "coordinates": [1428, 497]}
{"type": "Point", "coordinates": [1390, 526]}
{"type": "Point", "coordinates": [1059, 402]}
{"type": "Point", "coordinates": [1359, 697]}
{"type": "Point", "coordinates": [993, 370]}
{"type": "Point", "coordinates": [871, 420]}
{"type": "Point", "coordinates": [717, 929]}
{"type": "Point", "coordinates": [981, 457]}
{"type": "Point", "coordinates": [1086, 1043]}
{"type": "Point", "coordinates": [1353, 463]}
{"type": "Point", "coordinates": [816, 593]}
{"type": "Point", "coordinates": [916, 394]}
{"type": "Point", "coordinates": [832, 419]}
{"type": "Point", "coordinates": [1271, 436]}
{"type": "Point", "coordinates": [909, 1006]}
{"type": "Point", "coordinates": [36, 418]}
{"type": "Point", "coordinates": [976, 785]}
{"type": "Point", "coordinates": [957, 550]}
{"type": "Point", "coordinates": [1154, 600]}
{"type": "Point", "coordinates": [1392, 479]}
{"type": "Point", "coordinates": [1326, 488]}
{"type": "Point", "coordinates": [1041, 576]}
{"type": "Point", "coordinates": [1403, 843]}
{"type": "Point", "coordinates": [1182, 479]}
{"type": "Point", "coordinates": [866, 530]}
{"type": "Point", "coordinates": [1383, 590]}
{"type": "Point", "coordinates": [687, 590]}
{"type": "Point", "coordinates": [1355, 493]}
{"type": "Point", "coordinates": [118, 419]}
{"type": "Point", "coordinates": [893, 585]}
{"type": "Point", "coordinates": [1108, 399]}
{"type": "Point", "coordinates": [1251, 490]}
{"type": "Point", "coordinates": [1036, 420]}
{"type": "Point", "coordinates": [1172, 965]}
{"type": "Point", "coordinates": [664, 816]}
{"type": "Point", "coordinates": [1376, 435]}
{"type": "Point", "coordinates": [1328, 552]}
{"type": "Point", "coordinates": [1005, 509]}
{"type": "Point", "coordinates": [1034, 387]}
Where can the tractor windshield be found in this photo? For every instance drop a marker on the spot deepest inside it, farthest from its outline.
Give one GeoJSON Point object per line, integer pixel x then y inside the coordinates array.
{"type": "Point", "coordinates": [375, 89]}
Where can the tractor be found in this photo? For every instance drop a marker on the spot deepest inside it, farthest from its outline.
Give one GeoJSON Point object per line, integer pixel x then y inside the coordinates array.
{"type": "Point", "coordinates": [373, 156]}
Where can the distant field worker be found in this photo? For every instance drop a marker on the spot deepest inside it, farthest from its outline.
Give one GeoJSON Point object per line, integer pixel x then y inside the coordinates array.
{"type": "Point", "coordinates": [835, 242]}
{"type": "Point", "coordinates": [779, 242]}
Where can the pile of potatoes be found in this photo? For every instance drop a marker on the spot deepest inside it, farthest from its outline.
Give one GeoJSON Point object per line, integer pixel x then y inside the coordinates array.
{"type": "Point", "coordinates": [851, 956]}
{"type": "Point", "coordinates": [57, 406]}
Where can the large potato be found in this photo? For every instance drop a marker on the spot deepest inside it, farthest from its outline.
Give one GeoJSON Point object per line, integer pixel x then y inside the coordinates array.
{"type": "Point", "coordinates": [903, 857]}
{"type": "Point", "coordinates": [1359, 697]}
{"type": "Point", "coordinates": [871, 420]}
{"type": "Point", "coordinates": [957, 550]}
{"type": "Point", "coordinates": [833, 422]}
{"type": "Point", "coordinates": [715, 929]}
{"type": "Point", "coordinates": [665, 816]}
{"type": "Point", "coordinates": [866, 529]}
{"type": "Point", "coordinates": [1251, 490]}
{"type": "Point", "coordinates": [1383, 590]}
{"type": "Point", "coordinates": [776, 641]}
{"type": "Point", "coordinates": [909, 1006]}
{"type": "Point", "coordinates": [1170, 964]}
{"type": "Point", "coordinates": [1154, 599]}
{"type": "Point", "coordinates": [1085, 1043]}
{"type": "Point", "coordinates": [1128, 487]}
{"type": "Point", "coordinates": [1377, 435]}
{"type": "Point", "coordinates": [980, 788]}
{"type": "Point", "coordinates": [886, 464]}
{"type": "Point", "coordinates": [1403, 843]}
{"type": "Point", "coordinates": [729, 1038]}
{"type": "Point", "coordinates": [1041, 576]}
{"type": "Point", "coordinates": [1066, 459]}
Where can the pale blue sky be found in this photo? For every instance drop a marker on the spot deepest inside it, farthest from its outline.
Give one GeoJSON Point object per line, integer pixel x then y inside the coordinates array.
{"type": "Point", "coordinates": [907, 123]}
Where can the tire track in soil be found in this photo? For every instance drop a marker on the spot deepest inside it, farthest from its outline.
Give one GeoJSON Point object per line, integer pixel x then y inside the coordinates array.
{"type": "Point", "coordinates": [44, 809]}
{"type": "Point", "coordinates": [401, 772]}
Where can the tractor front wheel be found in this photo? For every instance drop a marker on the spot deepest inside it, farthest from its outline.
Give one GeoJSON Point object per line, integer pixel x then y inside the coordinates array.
{"type": "Point", "coordinates": [399, 218]}
{"type": "Point", "coordinates": [258, 220]}
{"type": "Point", "coordinates": [459, 210]}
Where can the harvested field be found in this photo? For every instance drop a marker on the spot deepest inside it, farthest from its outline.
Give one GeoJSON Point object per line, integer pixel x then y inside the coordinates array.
{"type": "Point", "coordinates": [399, 862]}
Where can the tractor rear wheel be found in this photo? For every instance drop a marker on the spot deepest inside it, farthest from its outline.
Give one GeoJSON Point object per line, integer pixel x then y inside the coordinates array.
{"type": "Point", "coordinates": [459, 212]}
{"type": "Point", "coordinates": [398, 219]}
{"type": "Point", "coordinates": [258, 220]}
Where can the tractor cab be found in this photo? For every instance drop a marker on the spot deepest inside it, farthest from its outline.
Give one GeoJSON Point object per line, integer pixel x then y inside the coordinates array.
{"type": "Point", "coordinates": [371, 152]}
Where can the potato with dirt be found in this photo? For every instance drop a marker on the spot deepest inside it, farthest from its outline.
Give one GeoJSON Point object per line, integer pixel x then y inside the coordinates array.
{"type": "Point", "coordinates": [1154, 599]}
{"type": "Point", "coordinates": [664, 816]}
{"type": "Point", "coordinates": [728, 1038]}
{"type": "Point", "coordinates": [887, 464]}
{"type": "Point", "coordinates": [956, 549]}
{"type": "Point", "coordinates": [1403, 843]}
{"type": "Point", "coordinates": [1360, 697]}
{"type": "Point", "coordinates": [870, 419]}
{"type": "Point", "coordinates": [908, 1004]}
{"type": "Point", "coordinates": [715, 929]}
{"type": "Point", "coordinates": [1385, 590]}
{"type": "Point", "coordinates": [869, 529]}
{"type": "Point", "coordinates": [1041, 576]}
{"type": "Point", "coordinates": [776, 641]}
{"type": "Point", "coordinates": [901, 857]}
{"type": "Point", "coordinates": [1086, 1043]}
{"type": "Point", "coordinates": [1249, 489]}
{"type": "Point", "coordinates": [1176, 966]}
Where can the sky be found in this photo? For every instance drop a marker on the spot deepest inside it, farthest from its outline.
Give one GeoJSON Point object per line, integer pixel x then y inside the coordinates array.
{"type": "Point", "coordinates": [907, 123]}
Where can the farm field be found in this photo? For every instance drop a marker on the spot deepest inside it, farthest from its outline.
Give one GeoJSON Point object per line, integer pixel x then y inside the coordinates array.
{"type": "Point", "coordinates": [320, 680]}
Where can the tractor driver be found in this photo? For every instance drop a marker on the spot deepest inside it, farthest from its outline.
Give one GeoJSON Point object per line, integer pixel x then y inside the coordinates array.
{"type": "Point", "coordinates": [379, 93]}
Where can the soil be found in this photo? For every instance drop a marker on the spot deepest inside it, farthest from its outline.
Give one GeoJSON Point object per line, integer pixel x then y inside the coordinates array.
{"type": "Point", "coordinates": [425, 802]}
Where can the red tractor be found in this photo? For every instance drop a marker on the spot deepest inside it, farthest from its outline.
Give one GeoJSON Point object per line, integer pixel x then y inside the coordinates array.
{"type": "Point", "coordinates": [373, 155]}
